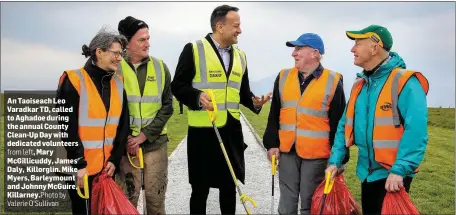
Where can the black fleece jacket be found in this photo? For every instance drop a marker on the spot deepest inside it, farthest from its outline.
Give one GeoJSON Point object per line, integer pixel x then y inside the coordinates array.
{"type": "Point", "coordinates": [66, 91]}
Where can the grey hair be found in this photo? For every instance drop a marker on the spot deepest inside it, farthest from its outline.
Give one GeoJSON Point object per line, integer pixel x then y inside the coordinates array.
{"type": "Point", "coordinates": [103, 40]}
{"type": "Point", "coordinates": [319, 57]}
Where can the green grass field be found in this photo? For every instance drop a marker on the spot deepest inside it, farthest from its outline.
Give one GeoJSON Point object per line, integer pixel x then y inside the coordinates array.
{"type": "Point", "coordinates": [432, 190]}
{"type": "Point", "coordinates": [177, 127]}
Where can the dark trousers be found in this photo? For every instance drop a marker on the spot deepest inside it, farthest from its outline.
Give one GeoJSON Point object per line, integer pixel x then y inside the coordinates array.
{"type": "Point", "coordinates": [373, 193]}
{"type": "Point", "coordinates": [198, 199]}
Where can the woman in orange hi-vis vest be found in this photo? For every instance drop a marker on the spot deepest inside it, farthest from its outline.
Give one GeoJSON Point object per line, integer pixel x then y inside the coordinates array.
{"type": "Point", "coordinates": [99, 122]}
{"type": "Point", "coordinates": [307, 103]}
{"type": "Point", "coordinates": [386, 118]}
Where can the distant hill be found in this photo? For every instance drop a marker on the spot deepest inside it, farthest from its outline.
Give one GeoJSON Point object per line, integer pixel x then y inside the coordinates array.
{"type": "Point", "coordinates": [263, 86]}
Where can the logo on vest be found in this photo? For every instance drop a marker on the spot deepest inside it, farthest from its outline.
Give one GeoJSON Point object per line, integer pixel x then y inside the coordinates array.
{"type": "Point", "coordinates": [215, 73]}
{"type": "Point", "coordinates": [151, 78]}
{"type": "Point", "coordinates": [236, 74]}
{"type": "Point", "coordinates": [386, 106]}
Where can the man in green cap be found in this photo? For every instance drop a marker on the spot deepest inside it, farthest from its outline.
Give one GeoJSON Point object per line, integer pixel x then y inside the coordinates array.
{"type": "Point", "coordinates": [390, 126]}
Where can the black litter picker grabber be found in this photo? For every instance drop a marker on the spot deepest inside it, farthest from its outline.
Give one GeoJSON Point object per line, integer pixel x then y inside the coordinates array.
{"type": "Point", "coordinates": [141, 166]}
{"type": "Point", "coordinates": [86, 192]}
{"type": "Point", "coordinates": [213, 116]}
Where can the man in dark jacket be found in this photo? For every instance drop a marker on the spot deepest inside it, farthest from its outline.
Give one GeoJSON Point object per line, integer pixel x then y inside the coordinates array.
{"type": "Point", "coordinates": [147, 84]}
{"type": "Point", "coordinates": [225, 72]}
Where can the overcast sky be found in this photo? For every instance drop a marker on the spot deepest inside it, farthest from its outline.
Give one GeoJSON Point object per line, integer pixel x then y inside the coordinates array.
{"type": "Point", "coordinates": [39, 40]}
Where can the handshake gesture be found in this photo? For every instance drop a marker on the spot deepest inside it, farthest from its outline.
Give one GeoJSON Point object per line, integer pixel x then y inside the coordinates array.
{"type": "Point", "coordinates": [206, 102]}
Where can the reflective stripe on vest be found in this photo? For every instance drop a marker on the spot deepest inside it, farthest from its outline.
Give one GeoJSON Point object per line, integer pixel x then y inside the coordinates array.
{"type": "Point", "coordinates": [210, 75]}
{"type": "Point", "coordinates": [97, 129]}
{"type": "Point", "coordinates": [143, 108]}
{"type": "Point", "coordinates": [388, 128]}
{"type": "Point", "coordinates": [301, 121]}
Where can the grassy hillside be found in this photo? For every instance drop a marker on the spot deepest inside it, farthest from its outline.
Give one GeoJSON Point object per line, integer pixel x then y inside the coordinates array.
{"type": "Point", "coordinates": [177, 127]}
{"type": "Point", "coordinates": [432, 190]}
{"type": "Point", "coordinates": [441, 117]}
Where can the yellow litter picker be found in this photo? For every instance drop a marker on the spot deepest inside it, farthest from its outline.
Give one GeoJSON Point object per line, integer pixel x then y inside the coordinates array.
{"type": "Point", "coordinates": [213, 116]}
{"type": "Point", "coordinates": [86, 192]}
{"type": "Point", "coordinates": [274, 169]}
{"type": "Point", "coordinates": [328, 187]}
{"type": "Point", "coordinates": [141, 166]}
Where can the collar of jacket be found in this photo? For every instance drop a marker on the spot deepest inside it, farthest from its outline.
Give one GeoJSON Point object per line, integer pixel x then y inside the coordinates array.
{"type": "Point", "coordinates": [145, 60]}
{"type": "Point", "coordinates": [316, 73]}
{"type": "Point", "coordinates": [217, 45]}
{"type": "Point", "coordinates": [385, 68]}
{"type": "Point", "coordinates": [95, 72]}
{"type": "Point", "coordinates": [211, 41]}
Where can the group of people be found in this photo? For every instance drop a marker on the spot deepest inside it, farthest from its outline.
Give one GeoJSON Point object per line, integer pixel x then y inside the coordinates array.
{"type": "Point", "coordinates": [123, 99]}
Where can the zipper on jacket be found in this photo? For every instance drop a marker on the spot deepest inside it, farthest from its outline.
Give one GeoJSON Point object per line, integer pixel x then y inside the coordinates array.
{"type": "Point", "coordinates": [104, 126]}
{"type": "Point", "coordinates": [367, 116]}
{"type": "Point", "coordinates": [297, 107]}
{"type": "Point", "coordinates": [140, 96]}
{"type": "Point", "coordinates": [373, 125]}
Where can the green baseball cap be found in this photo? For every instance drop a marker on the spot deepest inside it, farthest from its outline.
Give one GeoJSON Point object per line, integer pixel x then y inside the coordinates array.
{"type": "Point", "coordinates": [377, 33]}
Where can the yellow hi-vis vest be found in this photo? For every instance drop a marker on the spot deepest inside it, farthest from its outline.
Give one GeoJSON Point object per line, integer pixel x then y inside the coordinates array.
{"type": "Point", "coordinates": [144, 108]}
{"type": "Point", "coordinates": [211, 75]}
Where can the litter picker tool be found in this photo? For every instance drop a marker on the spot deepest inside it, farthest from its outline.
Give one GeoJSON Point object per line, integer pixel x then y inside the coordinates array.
{"type": "Point", "coordinates": [86, 192]}
{"type": "Point", "coordinates": [213, 116]}
{"type": "Point", "coordinates": [274, 168]}
{"type": "Point", "coordinates": [328, 187]}
{"type": "Point", "coordinates": [141, 166]}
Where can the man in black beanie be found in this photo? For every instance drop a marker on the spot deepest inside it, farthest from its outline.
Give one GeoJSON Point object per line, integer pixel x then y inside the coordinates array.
{"type": "Point", "coordinates": [147, 84]}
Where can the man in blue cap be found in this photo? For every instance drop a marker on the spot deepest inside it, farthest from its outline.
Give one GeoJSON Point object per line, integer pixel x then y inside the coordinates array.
{"type": "Point", "coordinates": [307, 103]}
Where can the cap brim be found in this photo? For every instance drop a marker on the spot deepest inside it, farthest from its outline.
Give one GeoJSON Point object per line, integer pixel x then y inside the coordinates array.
{"type": "Point", "coordinates": [294, 43]}
{"type": "Point", "coordinates": [356, 35]}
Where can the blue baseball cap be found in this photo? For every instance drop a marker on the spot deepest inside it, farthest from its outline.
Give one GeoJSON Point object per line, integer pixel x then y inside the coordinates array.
{"type": "Point", "coordinates": [309, 39]}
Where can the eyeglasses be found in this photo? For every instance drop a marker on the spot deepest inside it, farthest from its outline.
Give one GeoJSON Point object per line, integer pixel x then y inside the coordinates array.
{"type": "Point", "coordinates": [116, 53]}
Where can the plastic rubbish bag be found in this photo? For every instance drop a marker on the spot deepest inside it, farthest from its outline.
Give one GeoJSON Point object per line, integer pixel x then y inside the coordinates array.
{"type": "Point", "coordinates": [398, 203]}
{"type": "Point", "coordinates": [108, 198]}
{"type": "Point", "coordinates": [338, 201]}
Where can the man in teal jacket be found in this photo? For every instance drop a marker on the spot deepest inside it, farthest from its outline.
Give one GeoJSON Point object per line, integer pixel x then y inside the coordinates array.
{"type": "Point", "coordinates": [372, 53]}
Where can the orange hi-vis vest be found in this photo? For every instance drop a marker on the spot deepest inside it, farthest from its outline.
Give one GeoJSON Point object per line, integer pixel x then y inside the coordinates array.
{"type": "Point", "coordinates": [388, 129]}
{"type": "Point", "coordinates": [97, 129]}
{"type": "Point", "coordinates": [304, 118]}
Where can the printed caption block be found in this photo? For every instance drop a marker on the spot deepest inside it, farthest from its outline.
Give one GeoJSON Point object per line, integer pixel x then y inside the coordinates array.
{"type": "Point", "coordinates": [37, 174]}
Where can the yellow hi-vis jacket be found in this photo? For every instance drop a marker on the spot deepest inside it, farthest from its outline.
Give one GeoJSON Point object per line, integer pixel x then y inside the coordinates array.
{"type": "Point", "coordinates": [144, 108]}
{"type": "Point", "coordinates": [210, 75]}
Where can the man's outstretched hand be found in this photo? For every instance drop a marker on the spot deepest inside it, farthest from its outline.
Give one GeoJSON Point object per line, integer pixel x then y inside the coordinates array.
{"type": "Point", "coordinates": [259, 102]}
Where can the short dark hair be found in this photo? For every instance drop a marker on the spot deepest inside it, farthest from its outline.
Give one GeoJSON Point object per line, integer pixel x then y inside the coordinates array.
{"type": "Point", "coordinates": [219, 13]}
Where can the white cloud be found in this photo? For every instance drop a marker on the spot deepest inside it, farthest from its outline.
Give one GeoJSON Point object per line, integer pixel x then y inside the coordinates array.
{"type": "Point", "coordinates": [31, 66]}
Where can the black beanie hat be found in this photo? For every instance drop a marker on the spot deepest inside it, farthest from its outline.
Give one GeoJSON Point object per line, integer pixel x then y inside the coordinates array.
{"type": "Point", "coordinates": [130, 25]}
